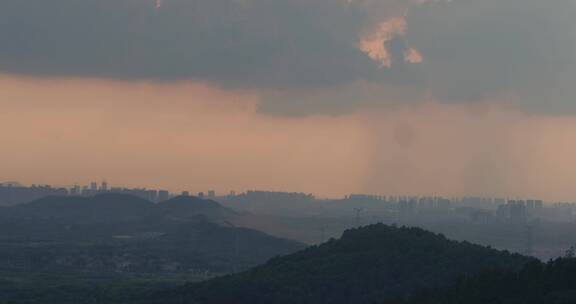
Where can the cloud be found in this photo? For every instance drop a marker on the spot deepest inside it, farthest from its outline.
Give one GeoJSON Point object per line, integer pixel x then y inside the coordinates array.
{"type": "Point", "coordinates": [374, 44]}
{"type": "Point", "coordinates": [298, 53]}
{"type": "Point", "coordinates": [250, 43]}
{"type": "Point", "coordinates": [476, 50]}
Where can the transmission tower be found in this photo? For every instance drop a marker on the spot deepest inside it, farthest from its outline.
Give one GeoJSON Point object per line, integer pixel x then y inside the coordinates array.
{"type": "Point", "coordinates": [529, 250]}
{"type": "Point", "coordinates": [322, 234]}
{"type": "Point", "coordinates": [358, 212]}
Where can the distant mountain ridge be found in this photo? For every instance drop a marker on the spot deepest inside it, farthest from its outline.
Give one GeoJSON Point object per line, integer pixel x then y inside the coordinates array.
{"type": "Point", "coordinates": [191, 206]}
{"type": "Point", "coordinates": [372, 264]}
{"type": "Point", "coordinates": [104, 207]}
{"type": "Point", "coordinates": [116, 207]}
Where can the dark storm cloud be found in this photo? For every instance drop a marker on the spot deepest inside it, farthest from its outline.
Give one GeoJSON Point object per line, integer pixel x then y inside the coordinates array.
{"type": "Point", "coordinates": [477, 49]}
{"type": "Point", "coordinates": [305, 53]}
{"type": "Point", "coordinates": [254, 43]}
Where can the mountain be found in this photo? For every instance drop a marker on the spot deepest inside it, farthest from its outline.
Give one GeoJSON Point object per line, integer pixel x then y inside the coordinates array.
{"type": "Point", "coordinates": [373, 264]}
{"type": "Point", "coordinates": [117, 233]}
{"type": "Point", "coordinates": [190, 206]}
{"type": "Point", "coordinates": [100, 208]}
{"type": "Point", "coordinates": [115, 208]}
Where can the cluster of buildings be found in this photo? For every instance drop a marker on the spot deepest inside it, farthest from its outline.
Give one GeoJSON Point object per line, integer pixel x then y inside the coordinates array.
{"type": "Point", "coordinates": [95, 189]}
{"type": "Point", "coordinates": [270, 202]}
{"type": "Point", "coordinates": [13, 193]}
{"type": "Point", "coordinates": [403, 208]}
{"type": "Point", "coordinates": [520, 211]}
{"type": "Point", "coordinates": [477, 209]}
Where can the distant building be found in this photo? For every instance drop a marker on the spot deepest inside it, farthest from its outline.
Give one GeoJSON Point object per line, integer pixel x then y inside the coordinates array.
{"type": "Point", "coordinates": [443, 204]}
{"type": "Point", "coordinates": [365, 198]}
{"type": "Point", "coordinates": [152, 195]}
{"type": "Point", "coordinates": [163, 195]}
{"type": "Point", "coordinates": [481, 216]}
{"type": "Point", "coordinates": [212, 194]}
{"type": "Point", "coordinates": [75, 191]}
{"type": "Point", "coordinates": [14, 193]}
{"type": "Point", "coordinates": [503, 212]}
{"type": "Point", "coordinates": [538, 207]}
{"type": "Point", "coordinates": [517, 211]}
{"type": "Point", "coordinates": [10, 184]}
{"type": "Point", "coordinates": [406, 207]}
{"type": "Point", "coordinates": [530, 209]}
{"type": "Point", "coordinates": [499, 201]}
{"type": "Point", "coordinates": [86, 191]}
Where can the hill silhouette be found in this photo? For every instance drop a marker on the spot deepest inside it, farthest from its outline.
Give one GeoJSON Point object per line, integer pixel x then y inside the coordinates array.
{"type": "Point", "coordinates": [191, 206]}
{"type": "Point", "coordinates": [372, 264]}
{"type": "Point", "coordinates": [100, 208]}
{"type": "Point", "coordinates": [116, 207]}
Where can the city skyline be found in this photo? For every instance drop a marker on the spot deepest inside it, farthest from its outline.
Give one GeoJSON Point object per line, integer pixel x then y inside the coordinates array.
{"type": "Point", "coordinates": [104, 186]}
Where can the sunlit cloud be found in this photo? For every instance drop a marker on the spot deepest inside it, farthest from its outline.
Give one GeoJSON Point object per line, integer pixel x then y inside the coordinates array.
{"type": "Point", "coordinates": [374, 44]}
{"type": "Point", "coordinates": [413, 56]}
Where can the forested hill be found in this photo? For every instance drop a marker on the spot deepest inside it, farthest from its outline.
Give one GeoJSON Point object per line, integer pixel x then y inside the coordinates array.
{"type": "Point", "coordinates": [372, 264]}
{"type": "Point", "coordinates": [536, 283]}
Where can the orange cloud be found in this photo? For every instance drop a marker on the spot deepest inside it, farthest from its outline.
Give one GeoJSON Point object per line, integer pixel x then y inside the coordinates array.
{"type": "Point", "coordinates": [373, 44]}
{"type": "Point", "coordinates": [413, 56]}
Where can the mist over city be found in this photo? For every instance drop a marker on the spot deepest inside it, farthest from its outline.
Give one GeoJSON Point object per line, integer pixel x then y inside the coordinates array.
{"type": "Point", "coordinates": [287, 151]}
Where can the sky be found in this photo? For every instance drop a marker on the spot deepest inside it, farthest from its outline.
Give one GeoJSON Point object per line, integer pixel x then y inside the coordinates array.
{"type": "Point", "coordinates": [432, 97]}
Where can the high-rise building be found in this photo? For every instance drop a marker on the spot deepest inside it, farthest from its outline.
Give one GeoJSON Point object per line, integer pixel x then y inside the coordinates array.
{"type": "Point", "coordinates": [163, 195]}
{"type": "Point", "coordinates": [104, 186]}
{"type": "Point", "coordinates": [443, 204]}
{"type": "Point", "coordinates": [75, 191]}
{"type": "Point", "coordinates": [538, 208]}
{"type": "Point", "coordinates": [211, 194]}
{"type": "Point", "coordinates": [530, 208]}
{"type": "Point", "coordinates": [499, 201]}
{"type": "Point", "coordinates": [503, 212]}
{"type": "Point", "coordinates": [517, 211]}
{"type": "Point", "coordinates": [152, 195]}
{"type": "Point", "coordinates": [86, 191]}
